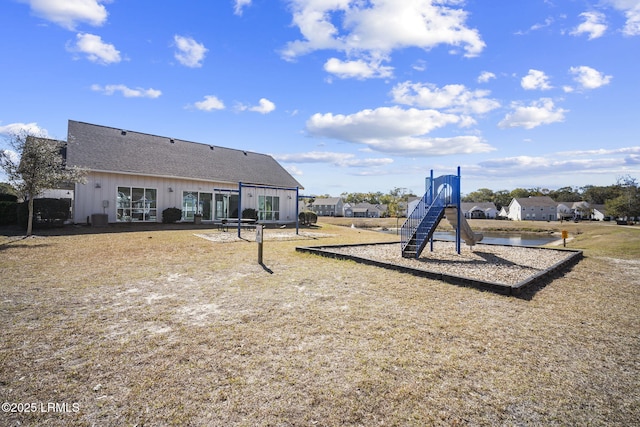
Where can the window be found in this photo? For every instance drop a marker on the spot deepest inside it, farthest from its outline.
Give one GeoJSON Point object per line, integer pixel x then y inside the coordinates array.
{"type": "Point", "coordinates": [196, 202]}
{"type": "Point", "coordinates": [136, 204]}
{"type": "Point", "coordinates": [268, 208]}
{"type": "Point", "coordinates": [226, 205]}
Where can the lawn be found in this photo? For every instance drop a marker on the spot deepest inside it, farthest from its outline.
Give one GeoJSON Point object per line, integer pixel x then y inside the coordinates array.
{"type": "Point", "coordinates": [162, 327]}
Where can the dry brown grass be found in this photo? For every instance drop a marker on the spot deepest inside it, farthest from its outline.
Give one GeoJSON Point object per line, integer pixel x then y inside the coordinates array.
{"type": "Point", "coordinates": [165, 328]}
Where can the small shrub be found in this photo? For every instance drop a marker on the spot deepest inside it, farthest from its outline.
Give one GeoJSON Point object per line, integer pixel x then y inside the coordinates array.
{"type": "Point", "coordinates": [46, 213]}
{"type": "Point", "coordinates": [307, 217]}
{"type": "Point", "coordinates": [171, 215]}
{"type": "Point", "coordinates": [8, 197]}
{"type": "Point", "coordinates": [250, 213]}
{"type": "Point", "coordinates": [8, 212]}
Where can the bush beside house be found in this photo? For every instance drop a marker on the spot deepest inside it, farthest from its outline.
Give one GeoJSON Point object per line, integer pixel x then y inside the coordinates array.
{"type": "Point", "coordinates": [46, 213]}
{"type": "Point", "coordinates": [250, 213]}
{"type": "Point", "coordinates": [8, 209]}
{"type": "Point", "coordinates": [171, 215]}
{"type": "Point", "coordinates": [307, 218]}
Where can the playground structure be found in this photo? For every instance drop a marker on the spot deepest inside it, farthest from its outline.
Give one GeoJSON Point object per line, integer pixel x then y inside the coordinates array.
{"type": "Point", "coordinates": [441, 199]}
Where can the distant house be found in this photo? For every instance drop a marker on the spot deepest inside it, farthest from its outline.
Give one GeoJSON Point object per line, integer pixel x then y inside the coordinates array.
{"type": "Point", "coordinates": [328, 206]}
{"type": "Point", "coordinates": [403, 207]}
{"type": "Point", "coordinates": [483, 210]}
{"type": "Point", "coordinates": [133, 177]}
{"type": "Point", "coordinates": [413, 202]}
{"type": "Point", "coordinates": [504, 212]}
{"type": "Point", "coordinates": [581, 210]}
{"type": "Point", "coordinates": [564, 212]}
{"type": "Point", "coordinates": [539, 208]}
{"type": "Point", "coordinates": [598, 212]}
{"type": "Point", "coordinates": [365, 210]}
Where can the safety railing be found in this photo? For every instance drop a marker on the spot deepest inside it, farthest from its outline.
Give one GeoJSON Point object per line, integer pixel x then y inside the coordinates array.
{"type": "Point", "coordinates": [441, 192]}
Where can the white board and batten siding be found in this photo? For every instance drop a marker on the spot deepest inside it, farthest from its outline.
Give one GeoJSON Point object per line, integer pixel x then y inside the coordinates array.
{"type": "Point", "coordinates": [101, 188]}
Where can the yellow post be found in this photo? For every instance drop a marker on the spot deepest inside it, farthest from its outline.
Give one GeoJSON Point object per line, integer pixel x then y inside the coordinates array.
{"type": "Point", "coordinates": [565, 234]}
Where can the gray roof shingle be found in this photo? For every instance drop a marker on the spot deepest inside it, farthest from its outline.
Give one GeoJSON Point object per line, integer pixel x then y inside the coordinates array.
{"type": "Point", "coordinates": [102, 148]}
{"type": "Point", "coordinates": [536, 201]}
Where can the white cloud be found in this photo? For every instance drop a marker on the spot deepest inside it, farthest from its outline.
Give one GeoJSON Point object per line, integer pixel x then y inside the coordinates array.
{"type": "Point", "coordinates": [240, 5]}
{"type": "Point", "coordinates": [68, 13]}
{"type": "Point", "coordinates": [589, 78]}
{"type": "Point", "coordinates": [95, 49]}
{"type": "Point", "coordinates": [190, 53]}
{"type": "Point", "coordinates": [264, 107]}
{"type": "Point", "coordinates": [13, 156]}
{"type": "Point", "coordinates": [126, 91]}
{"type": "Point", "coordinates": [24, 128]}
{"type": "Point", "coordinates": [396, 130]}
{"type": "Point", "coordinates": [485, 76]}
{"type": "Point", "coordinates": [374, 29]}
{"type": "Point", "coordinates": [602, 151]}
{"type": "Point", "coordinates": [547, 23]}
{"type": "Point", "coordinates": [594, 25]}
{"type": "Point", "coordinates": [294, 170]}
{"type": "Point", "coordinates": [631, 10]}
{"type": "Point", "coordinates": [586, 162]}
{"type": "Point", "coordinates": [334, 158]}
{"type": "Point", "coordinates": [430, 147]}
{"type": "Point", "coordinates": [359, 69]}
{"type": "Point", "coordinates": [536, 79]}
{"type": "Point", "coordinates": [381, 123]}
{"type": "Point", "coordinates": [541, 112]}
{"type": "Point", "coordinates": [209, 103]}
{"type": "Point", "coordinates": [451, 98]}
{"type": "Point", "coordinates": [420, 65]}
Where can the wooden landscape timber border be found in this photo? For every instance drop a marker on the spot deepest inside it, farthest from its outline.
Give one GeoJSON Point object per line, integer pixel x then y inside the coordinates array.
{"type": "Point", "coordinates": [574, 256]}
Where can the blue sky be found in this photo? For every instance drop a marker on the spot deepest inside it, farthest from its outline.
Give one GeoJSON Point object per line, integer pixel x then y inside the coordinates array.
{"type": "Point", "coordinates": [349, 96]}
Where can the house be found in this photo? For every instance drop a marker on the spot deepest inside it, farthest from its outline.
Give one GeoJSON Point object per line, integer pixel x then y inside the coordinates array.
{"type": "Point", "coordinates": [598, 213]}
{"type": "Point", "coordinates": [564, 212]}
{"type": "Point", "coordinates": [581, 210]}
{"type": "Point", "coordinates": [403, 208]}
{"type": "Point", "coordinates": [412, 203]}
{"type": "Point", "coordinates": [365, 210]}
{"type": "Point", "coordinates": [539, 208]}
{"type": "Point", "coordinates": [328, 206]}
{"type": "Point", "coordinates": [134, 176]}
{"type": "Point", "coordinates": [504, 212]}
{"type": "Point", "coordinates": [483, 210]}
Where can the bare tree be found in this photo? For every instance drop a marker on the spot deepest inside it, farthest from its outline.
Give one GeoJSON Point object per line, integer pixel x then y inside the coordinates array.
{"type": "Point", "coordinates": [36, 165]}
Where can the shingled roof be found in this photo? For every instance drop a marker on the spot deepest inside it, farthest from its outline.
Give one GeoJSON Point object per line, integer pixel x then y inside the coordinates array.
{"type": "Point", "coordinates": [536, 201]}
{"type": "Point", "coordinates": [102, 148]}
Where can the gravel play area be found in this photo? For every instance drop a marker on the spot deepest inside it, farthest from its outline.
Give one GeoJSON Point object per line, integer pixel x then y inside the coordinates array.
{"type": "Point", "coordinates": [504, 265]}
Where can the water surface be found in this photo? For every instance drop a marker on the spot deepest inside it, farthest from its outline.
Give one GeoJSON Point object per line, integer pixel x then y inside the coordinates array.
{"type": "Point", "coordinates": [496, 238]}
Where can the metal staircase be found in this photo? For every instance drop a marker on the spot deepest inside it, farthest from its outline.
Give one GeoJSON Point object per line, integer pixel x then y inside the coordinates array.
{"type": "Point", "coordinates": [420, 225]}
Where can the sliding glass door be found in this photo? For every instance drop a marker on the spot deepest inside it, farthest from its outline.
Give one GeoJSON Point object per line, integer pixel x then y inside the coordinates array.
{"type": "Point", "coordinates": [197, 202]}
{"type": "Point", "coordinates": [226, 205]}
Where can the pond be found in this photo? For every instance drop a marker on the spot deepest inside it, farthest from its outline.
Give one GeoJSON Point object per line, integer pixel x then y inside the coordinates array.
{"type": "Point", "coordinates": [513, 239]}
{"type": "Point", "coordinates": [495, 238]}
